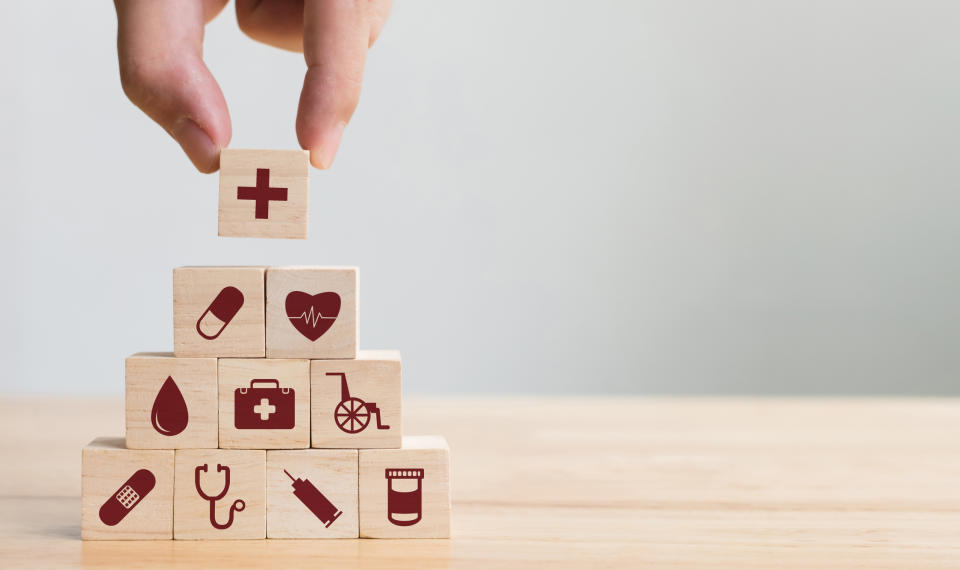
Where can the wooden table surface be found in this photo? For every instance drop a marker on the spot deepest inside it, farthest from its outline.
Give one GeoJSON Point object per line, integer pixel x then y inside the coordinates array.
{"type": "Point", "coordinates": [576, 482]}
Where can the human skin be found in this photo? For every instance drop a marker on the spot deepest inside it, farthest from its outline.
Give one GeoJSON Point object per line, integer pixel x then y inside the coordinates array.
{"type": "Point", "coordinates": [160, 48]}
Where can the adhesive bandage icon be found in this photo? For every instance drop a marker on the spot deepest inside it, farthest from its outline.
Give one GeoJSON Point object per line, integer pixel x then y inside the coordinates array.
{"type": "Point", "coordinates": [127, 497]}
{"type": "Point", "coordinates": [221, 311]}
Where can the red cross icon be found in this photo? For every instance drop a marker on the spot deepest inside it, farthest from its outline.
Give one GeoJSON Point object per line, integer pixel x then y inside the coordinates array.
{"type": "Point", "coordinates": [264, 408]}
{"type": "Point", "coordinates": [262, 193]}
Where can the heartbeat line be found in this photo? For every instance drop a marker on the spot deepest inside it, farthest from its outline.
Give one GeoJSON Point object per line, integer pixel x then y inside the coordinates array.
{"type": "Point", "coordinates": [312, 318]}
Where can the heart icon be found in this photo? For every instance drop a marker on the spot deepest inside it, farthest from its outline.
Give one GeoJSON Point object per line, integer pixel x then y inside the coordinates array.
{"type": "Point", "coordinates": [313, 315]}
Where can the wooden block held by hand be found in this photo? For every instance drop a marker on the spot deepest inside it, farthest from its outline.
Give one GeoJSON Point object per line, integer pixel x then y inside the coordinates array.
{"type": "Point", "coordinates": [312, 312]}
{"type": "Point", "coordinates": [126, 494]}
{"type": "Point", "coordinates": [218, 311]}
{"type": "Point", "coordinates": [264, 403]}
{"type": "Point", "coordinates": [312, 493]}
{"type": "Point", "coordinates": [171, 402]}
{"type": "Point", "coordinates": [263, 193]}
{"type": "Point", "coordinates": [356, 403]}
{"type": "Point", "coordinates": [202, 475]}
{"type": "Point", "coordinates": [405, 493]}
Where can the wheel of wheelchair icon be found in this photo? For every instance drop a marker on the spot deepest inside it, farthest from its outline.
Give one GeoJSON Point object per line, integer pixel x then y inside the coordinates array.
{"type": "Point", "coordinates": [352, 415]}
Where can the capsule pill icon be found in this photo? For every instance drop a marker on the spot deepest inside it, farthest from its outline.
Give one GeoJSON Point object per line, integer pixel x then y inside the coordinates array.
{"type": "Point", "coordinates": [220, 312]}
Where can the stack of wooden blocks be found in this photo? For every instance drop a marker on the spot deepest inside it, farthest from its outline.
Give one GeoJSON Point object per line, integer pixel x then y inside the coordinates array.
{"type": "Point", "coordinates": [265, 421]}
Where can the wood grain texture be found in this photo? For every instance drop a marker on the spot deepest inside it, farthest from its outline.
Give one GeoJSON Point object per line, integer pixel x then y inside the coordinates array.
{"type": "Point", "coordinates": [375, 378]}
{"type": "Point", "coordinates": [429, 455]}
{"type": "Point", "coordinates": [191, 518]}
{"type": "Point", "coordinates": [333, 472]}
{"type": "Point", "coordinates": [575, 482]}
{"type": "Point", "coordinates": [195, 288]}
{"type": "Point", "coordinates": [107, 466]}
{"type": "Point", "coordinates": [291, 374]}
{"type": "Point", "coordinates": [289, 169]}
{"type": "Point", "coordinates": [283, 338]}
{"type": "Point", "coordinates": [195, 378]}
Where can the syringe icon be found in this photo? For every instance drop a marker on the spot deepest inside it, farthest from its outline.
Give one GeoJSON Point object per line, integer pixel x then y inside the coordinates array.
{"type": "Point", "coordinates": [314, 500]}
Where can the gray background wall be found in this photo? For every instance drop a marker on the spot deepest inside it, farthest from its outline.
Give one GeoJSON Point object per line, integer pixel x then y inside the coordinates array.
{"type": "Point", "coordinates": [626, 197]}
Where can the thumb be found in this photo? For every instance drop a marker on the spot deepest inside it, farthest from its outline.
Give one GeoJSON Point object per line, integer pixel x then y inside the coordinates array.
{"type": "Point", "coordinates": [162, 71]}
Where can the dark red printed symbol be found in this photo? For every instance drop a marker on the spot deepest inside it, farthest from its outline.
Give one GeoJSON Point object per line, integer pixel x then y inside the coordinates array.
{"type": "Point", "coordinates": [314, 500]}
{"type": "Point", "coordinates": [169, 415]}
{"type": "Point", "coordinates": [129, 495]}
{"type": "Point", "coordinates": [262, 193]}
{"type": "Point", "coordinates": [352, 415]}
{"type": "Point", "coordinates": [220, 312]}
{"type": "Point", "coordinates": [404, 496]}
{"type": "Point", "coordinates": [264, 408]}
{"type": "Point", "coordinates": [313, 315]}
{"type": "Point", "coordinates": [237, 505]}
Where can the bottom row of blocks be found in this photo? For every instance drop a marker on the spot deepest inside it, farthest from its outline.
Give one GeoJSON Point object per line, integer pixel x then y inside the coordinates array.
{"type": "Point", "coordinates": [141, 494]}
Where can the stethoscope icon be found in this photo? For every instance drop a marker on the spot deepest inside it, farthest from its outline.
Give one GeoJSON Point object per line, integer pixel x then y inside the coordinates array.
{"type": "Point", "coordinates": [237, 505]}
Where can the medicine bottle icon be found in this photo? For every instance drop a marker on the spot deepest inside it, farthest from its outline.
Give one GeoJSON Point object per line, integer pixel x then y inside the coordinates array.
{"type": "Point", "coordinates": [404, 496]}
{"type": "Point", "coordinates": [220, 312]}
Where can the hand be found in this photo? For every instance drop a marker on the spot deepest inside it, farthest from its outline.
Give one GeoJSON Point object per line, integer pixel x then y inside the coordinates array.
{"type": "Point", "coordinates": [160, 44]}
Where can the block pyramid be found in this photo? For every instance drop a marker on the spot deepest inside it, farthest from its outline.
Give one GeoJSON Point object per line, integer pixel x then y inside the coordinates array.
{"type": "Point", "coordinates": [265, 421]}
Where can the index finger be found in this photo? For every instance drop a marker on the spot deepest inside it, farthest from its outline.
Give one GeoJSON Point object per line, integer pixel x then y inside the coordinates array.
{"type": "Point", "coordinates": [336, 35]}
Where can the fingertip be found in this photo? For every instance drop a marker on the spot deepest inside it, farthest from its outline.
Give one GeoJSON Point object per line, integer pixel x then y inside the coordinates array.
{"type": "Point", "coordinates": [323, 147]}
{"type": "Point", "coordinates": [197, 144]}
{"type": "Point", "coordinates": [318, 162]}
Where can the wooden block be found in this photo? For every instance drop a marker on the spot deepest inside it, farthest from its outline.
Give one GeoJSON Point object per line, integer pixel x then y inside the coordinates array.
{"type": "Point", "coordinates": [370, 415]}
{"type": "Point", "coordinates": [312, 312]}
{"type": "Point", "coordinates": [126, 494]}
{"type": "Point", "coordinates": [171, 402]}
{"type": "Point", "coordinates": [263, 193]}
{"type": "Point", "coordinates": [264, 403]}
{"type": "Point", "coordinates": [405, 493]}
{"type": "Point", "coordinates": [239, 475]}
{"type": "Point", "coordinates": [218, 311]}
{"type": "Point", "coordinates": [312, 493]}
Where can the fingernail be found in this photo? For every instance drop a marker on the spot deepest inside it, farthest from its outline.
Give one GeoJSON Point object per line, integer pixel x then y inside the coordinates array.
{"type": "Point", "coordinates": [199, 148]}
{"type": "Point", "coordinates": [322, 156]}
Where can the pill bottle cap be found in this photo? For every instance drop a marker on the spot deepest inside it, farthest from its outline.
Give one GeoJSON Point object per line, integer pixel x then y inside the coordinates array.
{"type": "Point", "coordinates": [404, 473]}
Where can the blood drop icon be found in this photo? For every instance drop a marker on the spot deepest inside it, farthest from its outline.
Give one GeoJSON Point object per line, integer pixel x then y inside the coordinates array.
{"type": "Point", "coordinates": [169, 415]}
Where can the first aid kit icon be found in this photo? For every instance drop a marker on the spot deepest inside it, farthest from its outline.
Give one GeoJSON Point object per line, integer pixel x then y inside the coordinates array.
{"type": "Point", "coordinates": [264, 408]}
